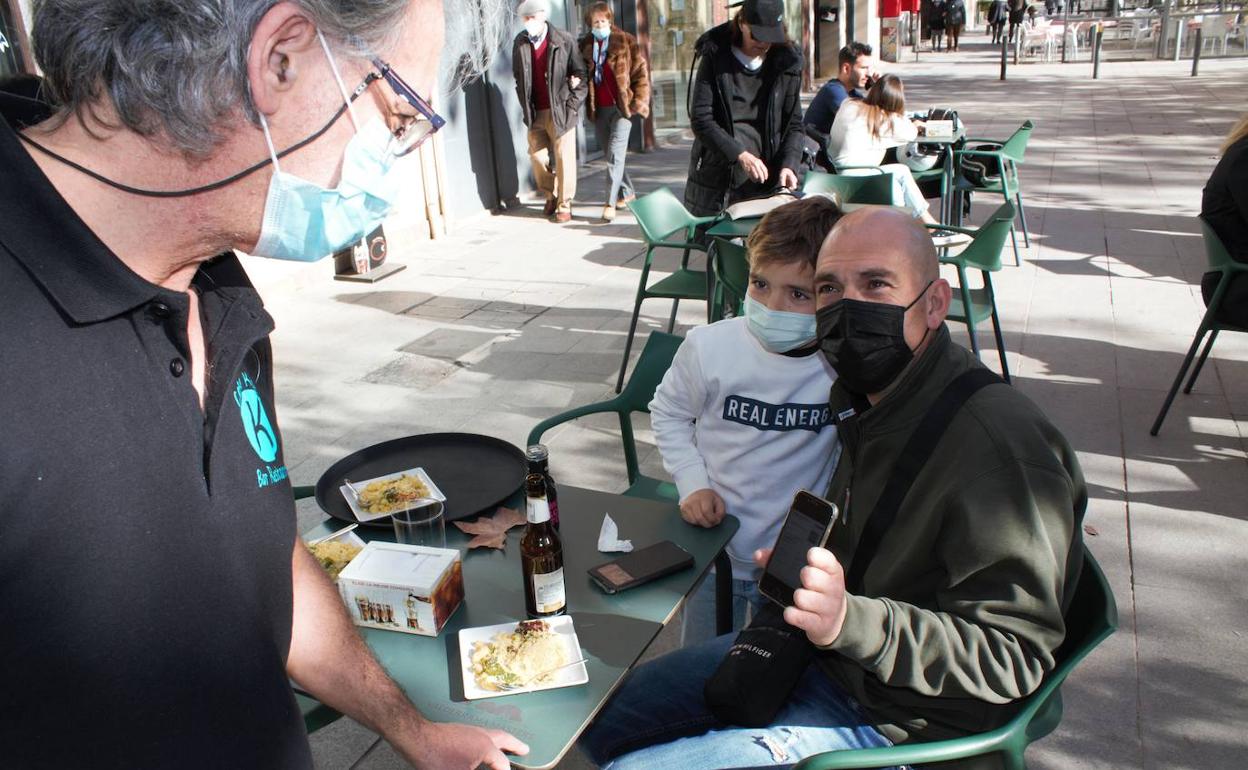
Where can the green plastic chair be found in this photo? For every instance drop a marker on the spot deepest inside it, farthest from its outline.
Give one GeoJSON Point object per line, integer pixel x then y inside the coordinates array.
{"type": "Point", "coordinates": [665, 224]}
{"type": "Point", "coordinates": [874, 188]}
{"type": "Point", "coordinates": [731, 263]}
{"type": "Point", "coordinates": [1220, 260]}
{"type": "Point", "coordinates": [654, 361]}
{"type": "Point", "coordinates": [1091, 618]}
{"type": "Point", "coordinates": [971, 306]}
{"type": "Point", "coordinates": [1007, 158]}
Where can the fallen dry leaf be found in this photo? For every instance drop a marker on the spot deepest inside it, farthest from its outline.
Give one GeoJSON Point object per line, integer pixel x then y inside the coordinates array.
{"type": "Point", "coordinates": [1091, 530]}
{"type": "Point", "coordinates": [491, 531]}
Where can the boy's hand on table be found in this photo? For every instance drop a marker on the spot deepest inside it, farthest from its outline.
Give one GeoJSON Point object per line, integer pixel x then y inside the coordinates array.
{"type": "Point", "coordinates": [702, 508]}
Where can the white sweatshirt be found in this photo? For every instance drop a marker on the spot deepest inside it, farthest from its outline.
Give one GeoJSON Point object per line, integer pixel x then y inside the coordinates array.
{"type": "Point", "coordinates": [850, 142]}
{"type": "Point", "coordinates": [749, 424]}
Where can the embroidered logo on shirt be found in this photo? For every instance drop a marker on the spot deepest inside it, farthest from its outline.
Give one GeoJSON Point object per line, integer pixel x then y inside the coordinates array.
{"type": "Point", "coordinates": [255, 420]}
{"type": "Point", "coordinates": [781, 417]}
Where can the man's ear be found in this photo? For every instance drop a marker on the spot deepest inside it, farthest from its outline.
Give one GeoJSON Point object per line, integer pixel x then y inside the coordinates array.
{"type": "Point", "coordinates": [938, 305]}
{"type": "Point", "coordinates": [278, 47]}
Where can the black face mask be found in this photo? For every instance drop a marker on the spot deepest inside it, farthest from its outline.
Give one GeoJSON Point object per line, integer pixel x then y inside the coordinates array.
{"type": "Point", "coordinates": [865, 341]}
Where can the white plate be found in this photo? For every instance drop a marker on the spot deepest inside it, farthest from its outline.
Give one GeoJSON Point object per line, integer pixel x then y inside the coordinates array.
{"type": "Point", "coordinates": [362, 515]}
{"type": "Point", "coordinates": [567, 677]}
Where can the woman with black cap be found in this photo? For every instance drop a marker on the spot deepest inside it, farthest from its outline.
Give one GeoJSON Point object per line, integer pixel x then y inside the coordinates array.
{"type": "Point", "coordinates": [745, 110]}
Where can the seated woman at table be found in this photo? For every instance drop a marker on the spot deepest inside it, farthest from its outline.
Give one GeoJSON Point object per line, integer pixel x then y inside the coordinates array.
{"type": "Point", "coordinates": [863, 130]}
{"type": "Point", "coordinates": [741, 417]}
{"type": "Point", "coordinates": [1224, 206]}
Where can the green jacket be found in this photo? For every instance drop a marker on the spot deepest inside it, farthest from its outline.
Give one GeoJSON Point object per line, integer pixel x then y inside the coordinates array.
{"type": "Point", "coordinates": [962, 606]}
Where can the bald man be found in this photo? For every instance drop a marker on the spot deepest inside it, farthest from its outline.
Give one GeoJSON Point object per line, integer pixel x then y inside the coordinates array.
{"type": "Point", "coordinates": [934, 614]}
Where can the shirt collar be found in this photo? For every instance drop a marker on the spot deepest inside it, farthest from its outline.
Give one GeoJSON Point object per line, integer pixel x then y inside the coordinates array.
{"type": "Point", "coordinates": [82, 276]}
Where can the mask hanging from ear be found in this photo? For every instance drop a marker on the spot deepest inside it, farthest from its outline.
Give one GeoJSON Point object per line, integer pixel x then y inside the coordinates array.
{"type": "Point", "coordinates": [304, 221]}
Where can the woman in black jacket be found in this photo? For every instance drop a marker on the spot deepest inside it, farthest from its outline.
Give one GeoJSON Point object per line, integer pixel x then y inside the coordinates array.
{"type": "Point", "coordinates": [1224, 206]}
{"type": "Point", "coordinates": [745, 110]}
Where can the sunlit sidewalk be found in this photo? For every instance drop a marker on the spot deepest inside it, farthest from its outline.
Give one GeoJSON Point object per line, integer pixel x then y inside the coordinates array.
{"type": "Point", "coordinates": [511, 319]}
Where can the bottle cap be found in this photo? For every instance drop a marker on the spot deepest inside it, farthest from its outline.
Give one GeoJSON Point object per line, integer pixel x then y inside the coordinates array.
{"type": "Point", "coordinates": [536, 453]}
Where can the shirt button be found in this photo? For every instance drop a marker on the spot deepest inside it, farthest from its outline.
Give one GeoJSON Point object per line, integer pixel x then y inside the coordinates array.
{"type": "Point", "coordinates": [160, 310]}
{"type": "Point", "coordinates": [176, 367]}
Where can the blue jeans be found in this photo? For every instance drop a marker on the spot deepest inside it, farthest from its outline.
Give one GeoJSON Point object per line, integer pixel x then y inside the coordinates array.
{"type": "Point", "coordinates": [658, 719]}
{"type": "Point", "coordinates": [612, 130]}
{"type": "Point", "coordinates": [698, 623]}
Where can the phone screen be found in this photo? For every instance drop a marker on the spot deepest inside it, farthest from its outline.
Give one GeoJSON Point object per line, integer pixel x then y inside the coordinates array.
{"type": "Point", "coordinates": [806, 527]}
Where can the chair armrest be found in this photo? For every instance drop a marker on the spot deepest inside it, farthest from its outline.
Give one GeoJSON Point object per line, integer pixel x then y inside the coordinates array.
{"type": "Point", "coordinates": [303, 492]}
{"type": "Point", "coordinates": [876, 169]}
{"type": "Point", "coordinates": [535, 435]}
{"type": "Point", "coordinates": [951, 228]}
{"type": "Point", "coordinates": [906, 754]}
{"type": "Point", "coordinates": [985, 153]}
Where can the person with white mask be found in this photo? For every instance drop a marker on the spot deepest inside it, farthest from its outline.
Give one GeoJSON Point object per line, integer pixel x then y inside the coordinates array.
{"type": "Point", "coordinates": [741, 418]}
{"type": "Point", "coordinates": [551, 86]}
{"type": "Point", "coordinates": [156, 590]}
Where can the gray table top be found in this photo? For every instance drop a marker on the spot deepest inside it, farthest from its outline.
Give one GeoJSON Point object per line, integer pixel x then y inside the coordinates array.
{"type": "Point", "coordinates": [613, 631]}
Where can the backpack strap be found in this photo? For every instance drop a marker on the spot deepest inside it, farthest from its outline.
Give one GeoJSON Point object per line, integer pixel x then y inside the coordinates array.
{"type": "Point", "coordinates": [910, 462]}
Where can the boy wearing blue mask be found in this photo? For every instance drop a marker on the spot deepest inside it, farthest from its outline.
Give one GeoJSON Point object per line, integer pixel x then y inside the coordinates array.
{"type": "Point", "coordinates": [741, 418]}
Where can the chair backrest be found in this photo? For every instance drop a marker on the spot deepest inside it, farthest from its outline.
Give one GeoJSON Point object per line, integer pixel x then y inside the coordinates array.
{"type": "Point", "coordinates": [659, 214]}
{"type": "Point", "coordinates": [1090, 619]}
{"type": "Point", "coordinates": [732, 268]}
{"type": "Point", "coordinates": [654, 361]}
{"type": "Point", "coordinates": [1016, 146]}
{"type": "Point", "coordinates": [984, 252]}
{"type": "Point", "coordinates": [1216, 252]}
{"type": "Point", "coordinates": [872, 188]}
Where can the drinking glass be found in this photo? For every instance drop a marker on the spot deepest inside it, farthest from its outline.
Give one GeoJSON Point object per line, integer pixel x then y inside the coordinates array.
{"type": "Point", "coordinates": [421, 523]}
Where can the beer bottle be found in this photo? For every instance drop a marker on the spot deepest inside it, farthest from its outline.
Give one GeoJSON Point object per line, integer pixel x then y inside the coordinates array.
{"type": "Point", "coordinates": [541, 554]}
{"type": "Point", "coordinates": [539, 462]}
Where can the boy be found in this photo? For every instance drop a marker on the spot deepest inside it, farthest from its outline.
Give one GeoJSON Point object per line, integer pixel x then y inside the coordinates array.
{"type": "Point", "coordinates": [741, 418]}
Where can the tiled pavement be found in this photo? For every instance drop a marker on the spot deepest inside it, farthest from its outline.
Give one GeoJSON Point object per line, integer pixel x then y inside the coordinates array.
{"type": "Point", "coordinates": [511, 319]}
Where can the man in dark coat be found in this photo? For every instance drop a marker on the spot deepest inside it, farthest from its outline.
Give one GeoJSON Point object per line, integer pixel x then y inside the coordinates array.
{"type": "Point", "coordinates": [745, 110]}
{"type": "Point", "coordinates": [550, 83]}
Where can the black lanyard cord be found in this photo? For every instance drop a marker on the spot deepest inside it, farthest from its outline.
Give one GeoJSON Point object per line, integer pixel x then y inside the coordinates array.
{"type": "Point", "coordinates": [194, 190]}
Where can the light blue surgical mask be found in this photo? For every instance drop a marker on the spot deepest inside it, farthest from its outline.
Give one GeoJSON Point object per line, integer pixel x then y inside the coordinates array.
{"type": "Point", "coordinates": [777, 330]}
{"type": "Point", "coordinates": [304, 221]}
{"type": "Point", "coordinates": [600, 34]}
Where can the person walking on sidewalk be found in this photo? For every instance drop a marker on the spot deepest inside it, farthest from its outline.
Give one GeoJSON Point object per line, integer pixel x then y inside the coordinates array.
{"type": "Point", "coordinates": [936, 23]}
{"type": "Point", "coordinates": [746, 110]}
{"type": "Point", "coordinates": [550, 83]}
{"type": "Point", "coordinates": [619, 87]}
{"type": "Point", "coordinates": [955, 17]}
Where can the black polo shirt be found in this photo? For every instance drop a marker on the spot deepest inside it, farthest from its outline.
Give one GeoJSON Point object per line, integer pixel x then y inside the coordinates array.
{"type": "Point", "coordinates": [145, 544]}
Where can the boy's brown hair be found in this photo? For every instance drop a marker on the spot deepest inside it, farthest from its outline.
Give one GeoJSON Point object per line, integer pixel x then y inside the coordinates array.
{"type": "Point", "coordinates": [793, 232]}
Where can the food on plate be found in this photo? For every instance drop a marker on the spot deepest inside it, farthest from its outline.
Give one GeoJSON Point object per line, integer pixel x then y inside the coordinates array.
{"type": "Point", "coordinates": [334, 555]}
{"type": "Point", "coordinates": [391, 495]}
{"type": "Point", "coordinates": [527, 656]}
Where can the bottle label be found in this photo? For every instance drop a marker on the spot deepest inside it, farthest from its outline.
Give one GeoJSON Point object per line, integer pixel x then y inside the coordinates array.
{"type": "Point", "coordinates": [537, 510]}
{"type": "Point", "coordinates": [548, 591]}
{"type": "Point", "coordinates": [554, 513]}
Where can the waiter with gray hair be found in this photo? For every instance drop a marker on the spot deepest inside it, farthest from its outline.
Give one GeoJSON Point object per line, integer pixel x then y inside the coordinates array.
{"type": "Point", "coordinates": [158, 601]}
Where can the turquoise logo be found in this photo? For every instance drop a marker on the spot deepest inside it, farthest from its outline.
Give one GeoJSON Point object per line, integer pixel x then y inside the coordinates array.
{"type": "Point", "coordinates": [255, 420]}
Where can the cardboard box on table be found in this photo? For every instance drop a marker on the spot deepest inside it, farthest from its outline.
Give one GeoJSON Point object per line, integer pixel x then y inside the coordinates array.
{"type": "Point", "coordinates": [406, 588]}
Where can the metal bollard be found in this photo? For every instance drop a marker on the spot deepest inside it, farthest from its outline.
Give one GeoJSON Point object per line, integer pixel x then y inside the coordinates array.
{"type": "Point", "coordinates": [1196, 53]}
{"type": "Point", "coordinates": [1096, 51]}
{"type": "Point", "coordinates": [1004, 53]}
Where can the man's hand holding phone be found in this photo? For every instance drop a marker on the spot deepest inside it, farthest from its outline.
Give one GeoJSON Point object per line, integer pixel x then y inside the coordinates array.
{"type": "Point", "coordinates": [819, 605]}
{"type": "Point", "coordinates": [703, 508]}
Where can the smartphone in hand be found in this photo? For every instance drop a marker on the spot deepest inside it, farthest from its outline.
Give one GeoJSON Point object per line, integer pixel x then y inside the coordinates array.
{"type": "Point", "coordinates": [807, 526]}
